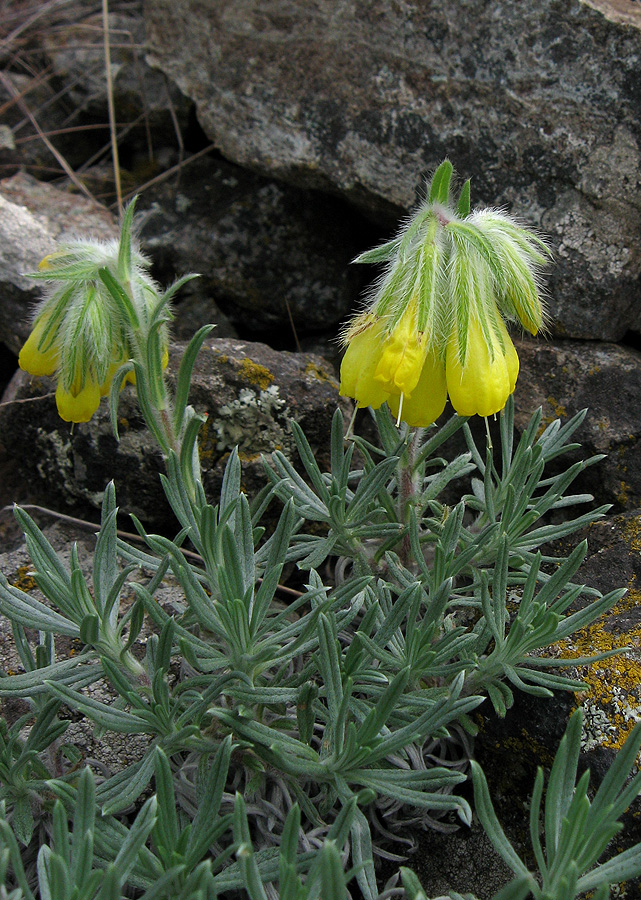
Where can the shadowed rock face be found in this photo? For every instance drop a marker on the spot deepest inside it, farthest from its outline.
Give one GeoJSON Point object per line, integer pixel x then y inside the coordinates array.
{"type": "Point", "coordinates": [537, 101]}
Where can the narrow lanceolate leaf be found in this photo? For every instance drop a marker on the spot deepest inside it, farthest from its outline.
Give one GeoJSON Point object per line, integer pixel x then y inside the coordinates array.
{"type": "Point", "coordinates": [330, 666]}
{"type": "Point", "coordinates": [136, 838]}
{"type": "Point", "coordinates": [440, 186]}
{"type": "Point", "coordinates": [245, 853]}
{"type": "Point", "coordinates": [44, 557]}
{"type": "Point", "coordinates": [428, 289]}
{"type": "Point", "coordinates": [490, 822]}
{"type": "Point", "coordinates": [107, 716]}
{"type": "Point", "coordinates": [31, 613]}
{"type": "Point", "coordinates": [105, 563]}
{"type": "Point", "coordinates": [67, 671]}
{"type": "Point", "coordinates": [120, 295]}
{"type": "Point", "coordinates": [412, 885]}
{"type": "Point", "coordinates": [124, 246]}
{"type": "Point", "coordinates": [463, 205]}
{"type": "Point", "coordinates": [620, 868]}
{"type": "Point", "coordinates": [379, 254]}
{"type": "Point", "coordinates": [332, 876]}
{"type": "Point", "coordinates": [207, 817]}
{"type": "Point", "coordinates": [183, 380]}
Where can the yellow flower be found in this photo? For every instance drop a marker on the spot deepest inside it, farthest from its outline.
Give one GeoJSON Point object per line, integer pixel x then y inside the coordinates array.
{"type": "Point", "coordinates": [80, 402]}
{"type": "Point", "coordinates": [428, 398]}
{"type": "Point", "coordinates": [397, 367]}
{"type": "Point", "coordinates": [34, 360]}
{"type": "Point", "coordinates": [483, 382]}
{"type": "Point", "coordinates": [359, 364]}
{"type": "Point", "coordinates": [403, 355]}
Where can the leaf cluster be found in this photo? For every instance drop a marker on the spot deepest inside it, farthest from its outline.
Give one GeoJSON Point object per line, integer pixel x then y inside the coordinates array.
{"type": "Point", "coordinates": [280, 732]}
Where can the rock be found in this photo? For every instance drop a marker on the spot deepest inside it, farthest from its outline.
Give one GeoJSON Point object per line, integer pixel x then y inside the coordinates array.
{"type": "Point", "coordinates": [536, 101]}
{"type": "Point", "coordinates": [33, 216]}
{"type": "Point", "coordinates": [21, 145]}
{"type": "Point", "coordinates": [259, 247]}
{"type": "Point", "coordinates": [248, 391]}
{"type": "Point", "coordinates": [565, 377]}
{"type": "Point", "coordinates": [144, 100]}
{"type": "Point", "coordinates": [612, 701]}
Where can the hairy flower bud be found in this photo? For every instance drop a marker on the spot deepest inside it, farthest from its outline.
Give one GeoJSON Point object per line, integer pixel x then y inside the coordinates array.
{"type": "Point", "coordinates": [88, 325]}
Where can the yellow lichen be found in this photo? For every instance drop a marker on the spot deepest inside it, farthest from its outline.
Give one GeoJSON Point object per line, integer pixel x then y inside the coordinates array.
{"type": "Point", "coordinates": [320, 374]}
{"type": "Point", "coordinates": [614, 684]}
{"type": "Point", "coordinates": [255, 374]}
{"type": "Point", "coordinates": [248, 457]}
{"type": "Point", "coordinates": [559, 410]}
{"type": "Point", "coordinates": [205, 444]}
{"type": "Point", "coordinates": [24, 580]}
{"type": "Point", "coordinates": [631, 533]}
{"type": "Point", "coordinates": [623, 495]}
{"type": "Point", "coordinates": [529, 748]}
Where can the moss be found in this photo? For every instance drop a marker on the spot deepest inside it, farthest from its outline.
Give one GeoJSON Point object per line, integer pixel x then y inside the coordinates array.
{"type": "Point", "coordinates": [255, 374]}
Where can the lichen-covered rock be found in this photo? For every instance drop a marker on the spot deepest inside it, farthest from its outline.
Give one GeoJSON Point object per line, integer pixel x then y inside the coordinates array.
{"type": "Point", "coordinates": [537, 101]}
{"type": "Point", "coordinates": [267, 253]}
{"type": "Point", "coordinates": [564, 377]}
{"type": "Point", "coordinates": [248, 392]}
{"type": "Point", "coordinates": [33, 216]}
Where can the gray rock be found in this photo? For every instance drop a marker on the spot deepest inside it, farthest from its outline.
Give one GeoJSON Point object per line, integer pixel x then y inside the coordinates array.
{"type": "Point", "coordinates": [33, 216]}
{"type": "Point", "coordinates": [144, 100]}
{"type": "Point", "coordinates": [248, 391]}
{"type": "Point", "coordinates": [537, 101]}
{"type": "Point", "coordinates": [567, 376]}
{"type": "Point", "coordinates": [259, 246]}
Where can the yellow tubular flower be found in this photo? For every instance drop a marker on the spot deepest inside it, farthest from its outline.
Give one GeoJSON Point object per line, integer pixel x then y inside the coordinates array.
{"type": "Point", "coordinates": [359, 366]}
{"type": "Point", "coordinates": [511, 356]}
{"type": "Point", "coordinates": [481, 386]}
{"type": "Point", "coordinates": [428, 397]}
{"type": "Point", "coordinates": [32, 359]}
{"type": "Point", "coordinates": [404, 352]}
{"type": "Point", "coordinates": [80, 403]}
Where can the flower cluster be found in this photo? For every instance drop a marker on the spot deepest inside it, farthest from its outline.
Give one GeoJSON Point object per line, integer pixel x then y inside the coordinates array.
{"type": "Point", "coordinates": [435, 326]}
{"type": "Point", "coordinates": [85, 329]}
